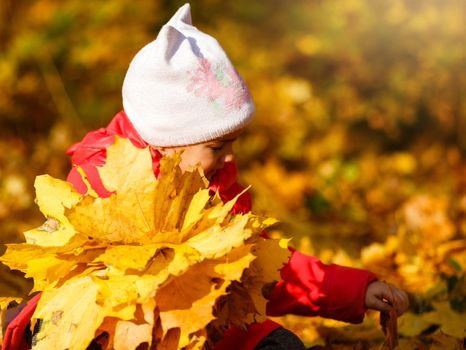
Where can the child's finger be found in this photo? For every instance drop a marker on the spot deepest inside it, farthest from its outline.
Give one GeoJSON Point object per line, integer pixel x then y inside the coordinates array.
{"type": "Point", "coordinates": [397, 298]}
{"type": "Point", "coordinates": [388, 293]}
{"type": "Point", "coordinates": [384, 306]}
{"type": "Point", "coordinates": [380, 305]}
{"type": "Point", "coordinates": [402, 301]}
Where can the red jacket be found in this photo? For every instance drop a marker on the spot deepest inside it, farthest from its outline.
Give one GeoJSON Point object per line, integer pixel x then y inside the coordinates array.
{"type": "Point", "coordinates": [308, 287]}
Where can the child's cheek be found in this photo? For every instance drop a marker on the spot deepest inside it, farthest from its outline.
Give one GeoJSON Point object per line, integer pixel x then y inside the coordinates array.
{"type": "Point", "coordinates": [209, 165]}
{"type": "Point", "coordinates": [208, 169]}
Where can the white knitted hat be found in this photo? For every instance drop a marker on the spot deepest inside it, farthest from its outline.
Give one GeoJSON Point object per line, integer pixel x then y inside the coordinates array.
{"type": "Point", "coordinates": [181, 89]}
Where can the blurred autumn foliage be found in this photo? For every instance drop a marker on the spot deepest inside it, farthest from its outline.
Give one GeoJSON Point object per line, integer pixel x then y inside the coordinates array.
{"type": "Point", "coordinates": [358, 145]}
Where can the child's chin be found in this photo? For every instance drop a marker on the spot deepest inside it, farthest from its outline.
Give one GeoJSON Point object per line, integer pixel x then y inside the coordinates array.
{"type": "Point", "coordinates": [211, 175]}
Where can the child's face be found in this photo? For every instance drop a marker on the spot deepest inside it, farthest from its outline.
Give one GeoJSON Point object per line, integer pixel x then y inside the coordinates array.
{"type": "Point", "coordinates": [211, 156]}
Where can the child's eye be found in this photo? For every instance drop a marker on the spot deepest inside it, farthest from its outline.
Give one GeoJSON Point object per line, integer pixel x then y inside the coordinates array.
{"type": "Point", "coordinates": [216, 148]}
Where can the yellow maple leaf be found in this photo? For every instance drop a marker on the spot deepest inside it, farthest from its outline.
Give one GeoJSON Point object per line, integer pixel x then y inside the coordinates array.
{"type": "Point", "coordinates": [245, 302]}
{"type": "Point", "coordinates": [5, 301]}
{"type": "Point", "coordinates": [68, 323]}
{"type": "Point", "coordinates": [124, 257]}
{"type": "Point", "coordinates": [451, 322]}
{"type": "Point", "coordinates": [271, 255]}
{"type": "Point", "coordinates": [214, 245]}
{"type": "Point", "coordinates": [45, 264]}
{"type": "Point", "coordinates": [53, 207]}
{"type": "Point", "coordinates": [234, 262]}
{"type": "Point", "coordinates": [128, 335]}
{"type": "Point", "coordinates": [127, 168]}
{"type": "Point", "coordinates": [410, 324]}
{"type": "Point", "coordinates": [193, 316]}
{"type": "Point", "coordinates": [151, 260]}
{"type": "Point", "coordinates": [194, 212]}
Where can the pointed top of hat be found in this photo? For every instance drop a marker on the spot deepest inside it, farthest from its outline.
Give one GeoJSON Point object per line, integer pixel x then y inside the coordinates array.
{"type": "Point", "coordinates": [182, 15]}
{"type": "Point", "coordinates": [173, 32]}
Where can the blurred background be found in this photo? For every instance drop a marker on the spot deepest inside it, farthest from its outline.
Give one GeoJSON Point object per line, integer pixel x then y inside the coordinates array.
{"type": "Point", "coordinates": [358, 146]}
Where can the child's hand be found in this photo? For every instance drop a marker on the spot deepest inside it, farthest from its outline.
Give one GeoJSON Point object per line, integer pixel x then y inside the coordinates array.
{"type": "Point", "coordinates": [378, 291]}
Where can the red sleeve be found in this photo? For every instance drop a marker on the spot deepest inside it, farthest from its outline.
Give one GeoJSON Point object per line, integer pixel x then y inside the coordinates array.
{"type": "Point", "coordinates": [225, 182]}
{"type": "Point", "coordinates": [246, 339]}
{"type": "Point", "coordinates": [312, 288]}
{"type": "Point", "coordinates": [91, 153]}
{"type": "Point", "coordinates": [14, 336]}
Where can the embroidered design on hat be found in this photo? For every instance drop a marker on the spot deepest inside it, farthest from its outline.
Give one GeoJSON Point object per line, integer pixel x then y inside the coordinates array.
{"type": "Point", "coordinates": [221, 85]}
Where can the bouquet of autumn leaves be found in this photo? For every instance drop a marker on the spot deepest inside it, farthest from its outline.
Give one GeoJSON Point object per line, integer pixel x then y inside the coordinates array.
{"type": "Point", "coordinates": [160, 264]}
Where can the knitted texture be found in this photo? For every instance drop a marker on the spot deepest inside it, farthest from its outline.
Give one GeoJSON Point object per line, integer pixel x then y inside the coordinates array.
{"type": "Point", "coordinates": [181, 89]}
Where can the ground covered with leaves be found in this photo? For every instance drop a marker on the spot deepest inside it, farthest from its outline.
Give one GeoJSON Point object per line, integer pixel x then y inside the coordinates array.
{"type": "Point", "coordinates": [357, 148]}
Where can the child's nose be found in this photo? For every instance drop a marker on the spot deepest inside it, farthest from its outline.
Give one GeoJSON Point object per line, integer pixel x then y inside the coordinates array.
{"type": "Point", "coordinates": [229, 154]}
{"type": "Point", "coordinates": [229, 157]}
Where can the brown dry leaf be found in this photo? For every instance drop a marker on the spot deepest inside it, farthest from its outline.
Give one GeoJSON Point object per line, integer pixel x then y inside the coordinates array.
{"type": "Point", "coordinates": [412, 344]}
{"type": "Point", "coordinates": [389, 324]}
{"type": "Point", "coordinates": [236, 307]}
{"type": "Point", "coordinates": [442, 341]}
{"type": "Point", "coordinates": [388, 321]}
{"type": "Point", "coordinates": [107, 326]}
{"type": "Point", "coordinates": [171, 340]}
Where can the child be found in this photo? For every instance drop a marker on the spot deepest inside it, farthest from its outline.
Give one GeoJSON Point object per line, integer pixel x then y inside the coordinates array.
{"type": "Point", "coordinates": [182, 94]}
